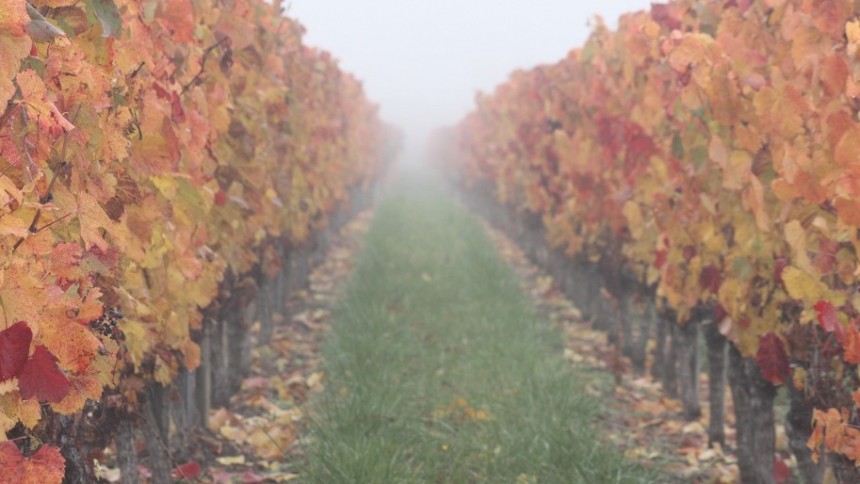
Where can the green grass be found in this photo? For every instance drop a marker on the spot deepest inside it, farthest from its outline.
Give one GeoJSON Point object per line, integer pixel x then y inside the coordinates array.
{"type": "Point", "coordinates": [431, 316]}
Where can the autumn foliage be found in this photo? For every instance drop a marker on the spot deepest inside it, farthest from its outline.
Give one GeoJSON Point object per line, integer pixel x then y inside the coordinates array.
{"type": "Point", "coordinates": [714, 148]}
{"type": "Point", "coordinates": [146, 147]}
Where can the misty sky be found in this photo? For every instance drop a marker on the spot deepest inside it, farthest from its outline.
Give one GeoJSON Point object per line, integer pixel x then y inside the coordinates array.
{"type": "Point", "coordinates": [422, 61]}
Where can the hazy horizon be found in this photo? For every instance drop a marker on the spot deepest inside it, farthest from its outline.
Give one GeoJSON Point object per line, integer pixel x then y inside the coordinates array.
{"type": "Point", "coordinates": [423, 62]}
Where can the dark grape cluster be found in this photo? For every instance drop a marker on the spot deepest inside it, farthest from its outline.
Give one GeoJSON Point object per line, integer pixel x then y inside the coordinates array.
{"type": "Point", "coordinates": [106, 324]}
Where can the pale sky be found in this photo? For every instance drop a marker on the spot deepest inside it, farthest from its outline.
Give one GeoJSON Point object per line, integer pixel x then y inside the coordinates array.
{"type": "Point", "coordinates": [423, 61]}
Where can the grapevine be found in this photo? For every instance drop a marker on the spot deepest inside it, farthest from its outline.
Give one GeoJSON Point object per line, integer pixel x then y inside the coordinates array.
{"type": "Point", "coordinates": [711, 148]}
{"type": "Point", "coordinates": [146, 147]}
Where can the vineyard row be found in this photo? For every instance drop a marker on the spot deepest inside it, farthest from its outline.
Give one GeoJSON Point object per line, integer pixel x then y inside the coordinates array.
{"type": "Point", "coordinates": [701, 163]}
{"type": "Point", "coordinates": [160, 161]}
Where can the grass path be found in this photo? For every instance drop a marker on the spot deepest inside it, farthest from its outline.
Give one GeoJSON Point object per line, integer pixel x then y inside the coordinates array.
{"type": "Point", "coordinates": [439, 371]}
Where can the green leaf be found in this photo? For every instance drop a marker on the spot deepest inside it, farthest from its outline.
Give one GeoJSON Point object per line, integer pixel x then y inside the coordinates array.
{"type": "Point", "coordinates": [677, 146]}
{"type": "Point", "coordinates": [741, 269]}
{"type": "Point", "coordinates": [107, 14]}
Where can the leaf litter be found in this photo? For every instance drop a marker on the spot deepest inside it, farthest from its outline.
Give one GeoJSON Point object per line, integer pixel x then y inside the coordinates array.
{"type": "Point", "coordinates": [260, 434]}
{"type": "Point", "coordinates": [257, 438]}
{"type": "Point", "coordinates": [636, 416]}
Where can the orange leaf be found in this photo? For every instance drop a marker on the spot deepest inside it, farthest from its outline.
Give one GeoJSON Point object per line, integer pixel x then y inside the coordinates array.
{"type": "Point", "coordinates": [829, 16]}
{"type": "Point", "coordinates": [816, 438]}
{"type": "Point", "coordinates": [847, 151]}
{"type": "Point", "coordinates": [46, 466]}
{"type": "Point", "coordinates": [178, 18]}
{"type": "Point", "coordinates": [833, 429]}
{"type": "Point", "coordinates": [836, 125]}
{"type": "Point", "coordinates": [851, 444]}
{"type": "Point", "coordinates": [851, 345]}
{"type": "Point", "coordinates": [87, 386]}
{"type": "Point", "coordinates": [191, 354]}
{"type": "Point", "coordinates": [848, 211]}
{"type": "Point", "coordinates": [778, 112]}
{"type": "Point", "coordinates": [12, 51]}
{"type": "Point", "coordinates": [834, 73]}
{"type": "Point", "coordinates": [35, 94]}
{"type": "Point", "coordinates": [66, 260]}
{"type": "Point", "coordinates": [14, 18]}
{"type": "Point", "coordinates": [72, 343]}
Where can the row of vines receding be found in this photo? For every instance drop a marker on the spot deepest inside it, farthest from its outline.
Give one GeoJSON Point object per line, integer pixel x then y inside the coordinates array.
{"type": "Point", "coordinates": [148, 148]}
{"type": "Point", "coordinates": [707, 155]}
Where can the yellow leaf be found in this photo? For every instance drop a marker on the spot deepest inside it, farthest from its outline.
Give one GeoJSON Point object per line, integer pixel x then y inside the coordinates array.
{"type": "Point", "coordinates": [731, 296]}
{"type": "Point", "coordinates": [233, 433]}
{"type": "Point", "coordinates": [799, 378]}
{"type": "Point", "coordinates": [852, 31]}
{"type": "Point", "coordinates": [163, 373]}
{"type": "Point", "coordinates": [167, 185]}
{"type": "Point", "coordinates": [315, 379]}
{"type": "Point", "coordinates": [231, 460]}
{"type": "Point", "coordinates": [801, 285]}
{"type": "Point", "coordinates": [690, 52]}
{"type": "Point", "coordinates": [93, 218]}
{"type": "Point", "coordinates": [754, 198]}
{"type": "Point", "coordinates": [717, 152]}
{"type": "Point", "coordinates": [737, 173]}
{"type": "Point", "coordinates": [634, 219]}
{"type": "Point", "coordinates": [708, 203]}
{"type": "Point", "coordinates": [651, 29]}
{"type": "Point", "coordinates": [795, 235]}
{"type": "Point", "coordinates": [6, 423]}
{"type": "Point", "coordinates": [711, 238]}
{"type": "Point", "coordinates": [8, 191]}
{"type": "Point", "coordinates": [8, 386]}
{"type": "Point", "coordinates": [29, 412]}
{"type": "Point", "coordinates": [136, 339]}
{"type": "Point", "coordinates": [482, 416]}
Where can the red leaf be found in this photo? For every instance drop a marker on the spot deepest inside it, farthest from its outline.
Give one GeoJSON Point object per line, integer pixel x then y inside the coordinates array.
{"type": "Point", "coordinates": [710, 279]}
{"type": "Point", "coordinates": [661, 14]}
{"type": "Point", "coordinates": [659, 258]}
{"type": "Point", "coordinates": [11, 462]}
{"type": "Point", "coordinates": [828, 318]}
{"type": "Point", "coordinates": [825, 260]}
{"type": "Point", "coordinates": [720, 313]}
{"type": "Point", "coordinates": [779, 266]}
{"type": "Point", "coordinates": [249, 477]}
{"type": "Point", "coordinates": [689, 252]}
{"type": "Point", "coordinates": [189, 470]}
{"type": "Point", "coordinates": [220, 198]}
{"type": "Point", "coordinates": [46, 466]}
{"type": "Point", "coordinates": [42, 378]}
{"type": "Point", "coordinates": [772, 359]}
{"type": "Point", "coordinates": [781, 471]}
{"type": "Point", "coordinates": [14, 347]}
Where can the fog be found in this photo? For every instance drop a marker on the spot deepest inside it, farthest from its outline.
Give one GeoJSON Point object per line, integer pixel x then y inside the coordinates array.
{"type": "Point", "coordinates": [423, 61]}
